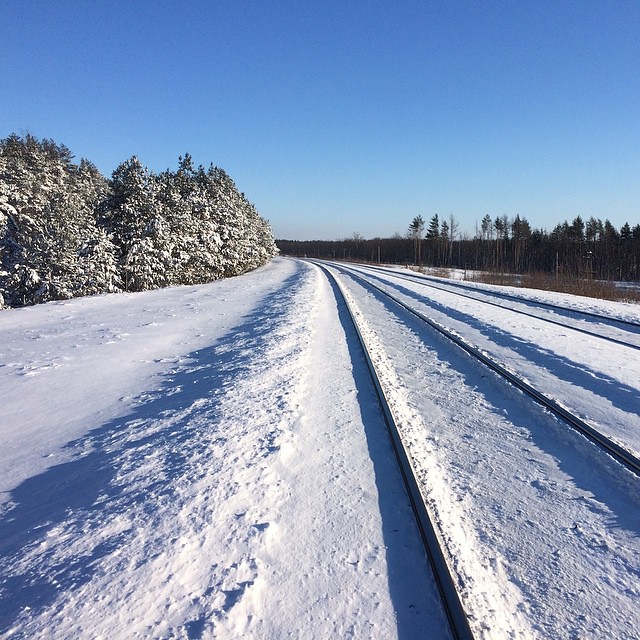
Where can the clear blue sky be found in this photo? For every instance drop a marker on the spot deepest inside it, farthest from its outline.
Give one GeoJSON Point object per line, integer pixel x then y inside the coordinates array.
{"type": "Point", "coordinates": [341, 117]}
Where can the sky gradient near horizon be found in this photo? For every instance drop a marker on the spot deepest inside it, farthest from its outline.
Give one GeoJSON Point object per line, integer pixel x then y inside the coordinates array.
{"type": "Point", "coordinates": [345, 117]}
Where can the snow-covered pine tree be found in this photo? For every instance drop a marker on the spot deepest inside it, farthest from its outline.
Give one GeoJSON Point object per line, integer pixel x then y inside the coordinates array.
{"type": "Point", "coordinates": [48, 219]}
{"type": "Point", "coordinates": [97, 266]}
{"type": "Point", "coordinates": [65, 231]}
{"type": "Point", "coordinates": [231, 221]}
{"type": "Point", "coordinates": [131, 217]}
{"type": "Point", "coordinates": [189, 219]}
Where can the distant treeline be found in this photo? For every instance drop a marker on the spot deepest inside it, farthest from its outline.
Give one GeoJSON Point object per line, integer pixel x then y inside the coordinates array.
{"type": "Point", "coordinates": [591, 249]}
{"type": "Point", "coordinates": [66, 231]}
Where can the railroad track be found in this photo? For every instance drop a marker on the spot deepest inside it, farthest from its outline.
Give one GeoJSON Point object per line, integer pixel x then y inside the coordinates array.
{"type": "Point", "coordinates": [472, 293]}
{"type": "Point", "coordinates": [445, 579]}
{"type": "Point", "coordinates": [629, 324]}
{"type": "Point", "coordinates": [455, 571]}
{"type": "Point", "coordinates": [603, 442]}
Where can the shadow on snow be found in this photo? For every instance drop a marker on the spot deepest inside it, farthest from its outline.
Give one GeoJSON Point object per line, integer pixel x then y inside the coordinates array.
{"type": "Point", "coordinates": [618, 394]}
{"type": "Point", "coordinates": [563, 444]}
{"type": "Point", "coordinates": [82, 494]}
{"type": "Point", "coordinates": [412, 587]}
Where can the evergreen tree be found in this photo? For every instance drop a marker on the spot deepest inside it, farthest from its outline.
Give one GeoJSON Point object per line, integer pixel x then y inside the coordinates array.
{"type": "Point", "coordinates": [66, 231]}
{"type": "Point", "coordinates": [130, 215]}
{"type": "Point", "coordinates": [416, 229]}
{"type": "Point", "coordinates": [444, 241]}
{"type": "Point", "coordinates": [433, 239]}
{"type": "Point", "coordinates": [48, 204]}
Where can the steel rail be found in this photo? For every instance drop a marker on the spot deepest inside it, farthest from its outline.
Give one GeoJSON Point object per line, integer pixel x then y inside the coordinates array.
{"type": "Point", "coordinates": [445, 581]}
{"type": "Point", "coordinates": [588, 332]}
{"type": "Point", "coordinates": [510, 296]}
{"type": "Point", "coordinates": [618, 453]}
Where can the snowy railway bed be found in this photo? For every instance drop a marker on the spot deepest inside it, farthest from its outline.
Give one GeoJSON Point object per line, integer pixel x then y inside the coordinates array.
{"type": "Point", "coordinates": [617, 330]}
{"type": "Point", "coordinates": [452, 604]}
{"type": "Point", "coordinates": [592, 376]}
{"type": "Point", "coordinates": [619, 453]}
{"type": "Point", "coordinates": [211, 461]}
{"type": "Point", "coordinates": [522, 476]}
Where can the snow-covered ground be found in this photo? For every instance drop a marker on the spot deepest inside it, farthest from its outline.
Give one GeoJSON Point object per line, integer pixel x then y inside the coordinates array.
{"type": "Point", "coordinates": [543, 529]}
{"type": "Point", "coordinates": [210, 461]}
{"type": "Point", "coordinates": [200, 461]}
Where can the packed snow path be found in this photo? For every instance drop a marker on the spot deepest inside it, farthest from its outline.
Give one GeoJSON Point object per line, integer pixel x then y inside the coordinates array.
{"type": "Point", "coordinates": [211, 462]}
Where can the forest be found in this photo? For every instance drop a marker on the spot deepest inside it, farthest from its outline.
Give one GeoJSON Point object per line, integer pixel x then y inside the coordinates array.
{"type": "Point", "coordinates": [589, 249]}
{"type": "Point", "coordinates": [67, 231]}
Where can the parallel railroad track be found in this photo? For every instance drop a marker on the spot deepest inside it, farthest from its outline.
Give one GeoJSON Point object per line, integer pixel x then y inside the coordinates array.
{"type": "Point", "coordinates": [453, 576]}
{"type": "Point", "coordinates": [463, 290]}
{"type": "Point", "coordinates": [603, 442]}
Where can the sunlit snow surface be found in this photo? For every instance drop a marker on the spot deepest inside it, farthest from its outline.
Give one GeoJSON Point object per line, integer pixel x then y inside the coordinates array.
{"type": "Point", "coordinates": [210, 461]}
{"type": "Point", "coordinates": [194, 463]}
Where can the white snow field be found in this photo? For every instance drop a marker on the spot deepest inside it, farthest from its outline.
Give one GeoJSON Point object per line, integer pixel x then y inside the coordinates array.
{"type": "Point", "coordinates": [211, 462]}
